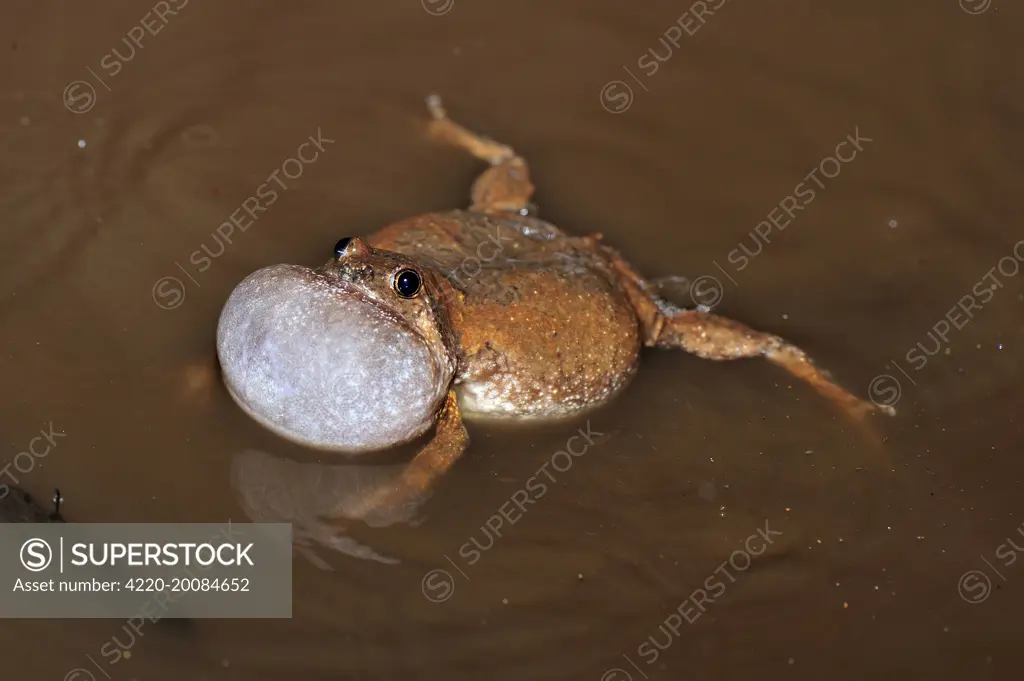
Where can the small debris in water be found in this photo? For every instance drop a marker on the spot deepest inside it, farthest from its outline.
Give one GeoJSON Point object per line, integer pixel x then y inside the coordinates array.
{"type": "Point", "coordinates": [504, 601]}
{"type": "Point", "coordinates": [845, 605]}
{"type": "Point", "coordinates": [791, 660]}
{"type": "Point", "coordinates": [892, 224]}
{"type": "Point", "coordinates": [81, 144]}
{"type": "Point", "coordinates": [25, 120]}
{"type": "Point", "coordinates": [785, 316]}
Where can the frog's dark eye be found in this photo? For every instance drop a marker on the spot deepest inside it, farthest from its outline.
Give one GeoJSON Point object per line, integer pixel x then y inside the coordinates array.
{"type": "Point", "coordinates": [339, 248]}
{"type": "Point", "coordinates": [407, 283]}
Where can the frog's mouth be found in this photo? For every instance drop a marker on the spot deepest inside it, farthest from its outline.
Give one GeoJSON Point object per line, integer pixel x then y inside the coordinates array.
{"type": "Point", "coordinates": [324, 365]}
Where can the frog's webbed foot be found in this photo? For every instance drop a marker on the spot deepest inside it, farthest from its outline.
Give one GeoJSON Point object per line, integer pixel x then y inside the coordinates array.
{"type": "Point", "coordinates": [673, 288]}
{"type": "Point", "coordinates": [713, 337]}
{"type": "Point", "coordinates": [504, 187]}
{"type": "Point", "coordinates": [404, 493]}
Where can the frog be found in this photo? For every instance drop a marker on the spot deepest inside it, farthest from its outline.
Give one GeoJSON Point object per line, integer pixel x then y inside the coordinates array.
{"type": "Point", "coordinates": [477, 313]}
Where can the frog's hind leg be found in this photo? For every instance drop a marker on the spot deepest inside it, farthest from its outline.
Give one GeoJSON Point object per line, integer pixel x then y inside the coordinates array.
{"type": "Point", "coordinates": [505, 187]}
{"type": "Point", "coordinates": [713, 337]}
{"type": "Point", "coordinates": [430, 463]}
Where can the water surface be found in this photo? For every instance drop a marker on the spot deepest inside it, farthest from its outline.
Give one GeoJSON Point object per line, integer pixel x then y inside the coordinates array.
{"type": "Point", "coordinates": [114, 186]}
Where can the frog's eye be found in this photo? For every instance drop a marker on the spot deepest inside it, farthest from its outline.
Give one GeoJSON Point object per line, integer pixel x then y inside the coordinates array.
{"type": "Point", "coordinates": [407, 283]}
{"type": "Point", "coordinates": [339, 248]}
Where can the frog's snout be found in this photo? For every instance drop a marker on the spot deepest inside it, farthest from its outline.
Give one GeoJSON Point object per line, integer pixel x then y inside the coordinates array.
{"type": "Point", "coordinates": [325, 365]}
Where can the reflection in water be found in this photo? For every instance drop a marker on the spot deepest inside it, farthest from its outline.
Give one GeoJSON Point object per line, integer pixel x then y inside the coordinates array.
{"type": "Point", "coordinates": [317, 499]}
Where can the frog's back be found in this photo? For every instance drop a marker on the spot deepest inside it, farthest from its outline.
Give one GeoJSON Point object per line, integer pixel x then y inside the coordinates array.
{"type": "Point", "coordinates": [545, 330]}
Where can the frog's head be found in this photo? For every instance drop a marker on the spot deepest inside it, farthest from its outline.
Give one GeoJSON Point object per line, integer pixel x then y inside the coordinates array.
{"type": "Point", "coordinates": [356, 355]}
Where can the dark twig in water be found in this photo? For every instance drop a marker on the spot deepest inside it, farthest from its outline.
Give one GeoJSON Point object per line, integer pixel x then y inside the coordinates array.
{"type": "Point", "coordinates": [57, 498]}
{"type": "Point", "coordinates": [18, 506]}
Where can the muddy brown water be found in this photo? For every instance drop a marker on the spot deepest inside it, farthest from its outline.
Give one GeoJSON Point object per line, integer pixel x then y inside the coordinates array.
{"type": "Point", "coordinates": [893, 559]}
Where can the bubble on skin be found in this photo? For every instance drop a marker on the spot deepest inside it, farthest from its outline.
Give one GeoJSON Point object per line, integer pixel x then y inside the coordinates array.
{"type": "Point", "coordinates": [325, 367]}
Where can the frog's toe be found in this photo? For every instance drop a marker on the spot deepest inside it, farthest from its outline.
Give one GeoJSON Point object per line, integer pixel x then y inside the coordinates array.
{"type": "Point", "coordinates": [860, 410]}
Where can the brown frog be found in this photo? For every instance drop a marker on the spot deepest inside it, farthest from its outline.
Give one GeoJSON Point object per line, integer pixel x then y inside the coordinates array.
{"type": "Point", "coordinates": [487, 312]}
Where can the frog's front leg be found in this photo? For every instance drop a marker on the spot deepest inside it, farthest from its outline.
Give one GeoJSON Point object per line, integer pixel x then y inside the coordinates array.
{"type": "Point", "coordinates": [713, 337]}
{"type": "Point", "coordinates": [504, 187]}
{"type": "Point", "coordinates": [437, 456]}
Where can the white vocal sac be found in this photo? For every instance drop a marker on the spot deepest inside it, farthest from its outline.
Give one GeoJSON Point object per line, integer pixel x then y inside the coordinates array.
{"type": "Point", "coordinates": [185, 554]}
